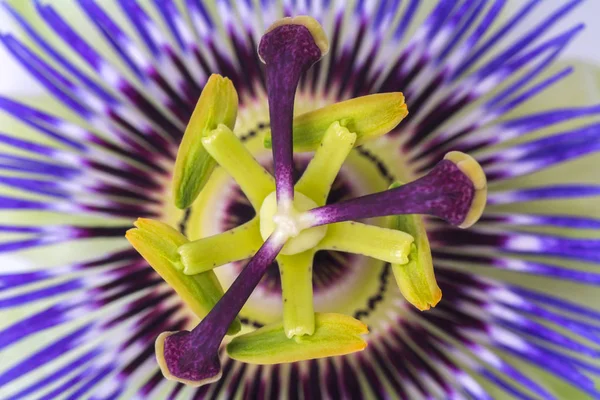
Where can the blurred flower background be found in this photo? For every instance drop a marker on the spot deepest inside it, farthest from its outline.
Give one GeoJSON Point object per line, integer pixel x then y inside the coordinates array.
{"type": "Point", "coordinates": [79, 310]}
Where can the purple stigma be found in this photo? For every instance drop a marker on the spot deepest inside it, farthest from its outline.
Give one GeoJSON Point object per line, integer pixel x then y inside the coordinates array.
{"type": "Point", "coordinates": [446, 192]}
{"type": "Point", "coordinates": [193, 357]}
{"type": "Point", "coordinates": [288, 51]}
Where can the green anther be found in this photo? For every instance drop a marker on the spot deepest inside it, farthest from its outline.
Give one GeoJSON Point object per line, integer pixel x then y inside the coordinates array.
{"type": "Point", "coordinates": [416, 279]}
{"type": "Point", "coordinates": [297, 292]}
{"type": "Point", "coordinates": [316, 181]}
{"type": "Point", "coordinates": [389, 245]}
{"type": "Point", "coordinates": [157, 243]}
{"type": "Point", "coordinates": [334, 335]}
{"type": "Point", "coordinates": [218, 104]}
{"type": "Point", "coordinates": [207, 253]}
{"type": "Point", "coordinates": [369, 117]}
{"type": "Point", "coordinates": [232, 155]}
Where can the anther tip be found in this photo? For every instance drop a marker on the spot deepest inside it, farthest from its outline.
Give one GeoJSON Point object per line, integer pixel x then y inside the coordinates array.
{"type": "Point", "coordinates": [432, 300]}
{"type": "Point", "coordinates": [222, 81]}
{"type": "Point", "coordinates": [471, 168]}
{"type": "Point", "coordinates": [141, 222]}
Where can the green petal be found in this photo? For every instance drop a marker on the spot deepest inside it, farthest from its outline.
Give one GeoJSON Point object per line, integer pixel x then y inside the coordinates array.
{"type": "Point", "coordinates": [218, 104]}
{"type": "Point", "coordinates": [416, 279]}
{"type": "Point", "coordinates": [234, 245]}
{"type": "Point", "coordinates": [326, 163]}
{"type": "Point", "coordinates": [232, 155]}
{"type": "Point", "coordinates": [335, 335]}
{"type": "Point", "coordinates": [297, 292]}
{"type": "Point", "coordinates": [157, 243]}
{"type": "Point", "coordinates": [369, 117]}
{"type": "Point", "coordinates": [389, 245]}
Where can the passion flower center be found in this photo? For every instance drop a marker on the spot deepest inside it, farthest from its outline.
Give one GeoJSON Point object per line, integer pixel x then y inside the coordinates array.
{"type": "Point", "coordinates": [288, 221]}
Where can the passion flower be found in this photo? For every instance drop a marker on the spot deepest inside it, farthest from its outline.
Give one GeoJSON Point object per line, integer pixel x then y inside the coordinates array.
{"type": "Point", "coordinates": [509, 302]}
{"type": "Point", "coordinates": [290, 222]}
